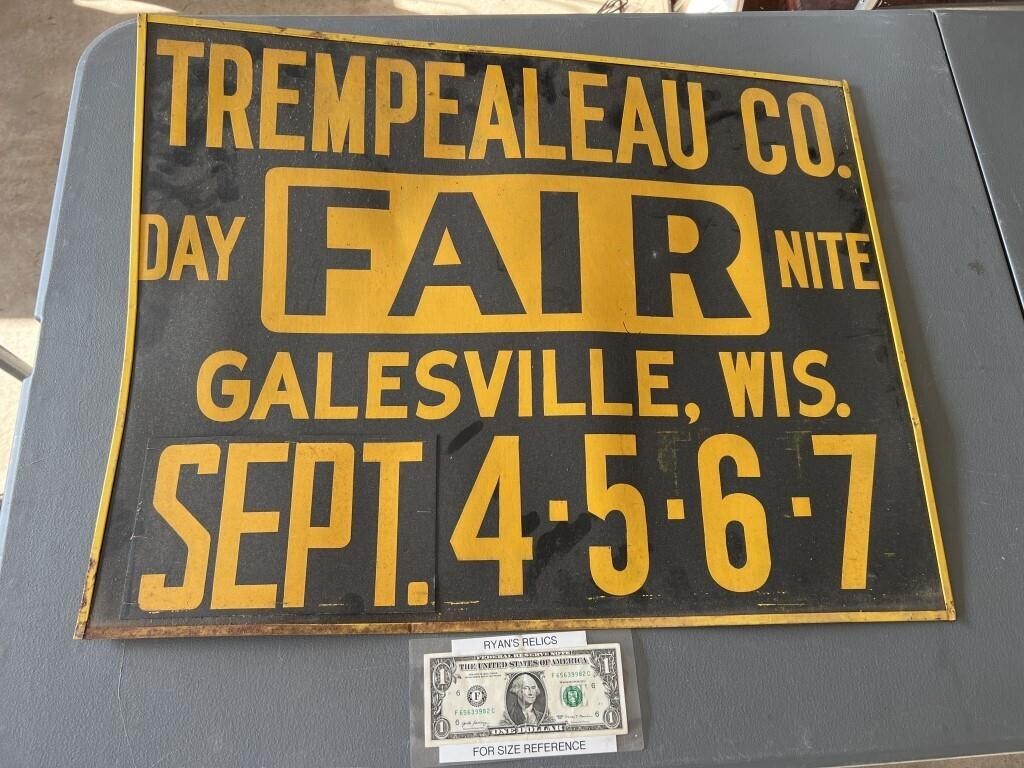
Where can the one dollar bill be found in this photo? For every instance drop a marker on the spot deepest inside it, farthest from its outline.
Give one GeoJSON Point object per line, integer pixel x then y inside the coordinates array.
{"type": "Point", "coordinates": [493, 697]}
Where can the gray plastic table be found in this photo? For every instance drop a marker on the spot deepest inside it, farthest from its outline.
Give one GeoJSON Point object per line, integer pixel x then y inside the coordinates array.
{"type": "Point", "coordinates": [786, 696]}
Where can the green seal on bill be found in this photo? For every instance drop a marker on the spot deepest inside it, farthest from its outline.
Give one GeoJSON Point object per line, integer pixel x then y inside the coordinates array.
{"type": "Point", "coordinates": [572, 696]}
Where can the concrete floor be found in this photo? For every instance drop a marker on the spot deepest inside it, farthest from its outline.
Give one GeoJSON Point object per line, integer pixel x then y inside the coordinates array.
{"type": "Point", "coordinates": [40, 43]}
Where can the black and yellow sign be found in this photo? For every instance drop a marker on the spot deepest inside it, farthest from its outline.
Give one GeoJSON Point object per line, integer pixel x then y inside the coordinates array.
{"type": "Point", "coordinates": [431, 337]}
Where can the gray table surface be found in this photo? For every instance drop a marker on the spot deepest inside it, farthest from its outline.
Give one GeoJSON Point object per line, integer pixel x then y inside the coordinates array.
{"type": "Point", "coordinates": [986, 55]}
{"type": "Point", "coordinates": [773, 696]}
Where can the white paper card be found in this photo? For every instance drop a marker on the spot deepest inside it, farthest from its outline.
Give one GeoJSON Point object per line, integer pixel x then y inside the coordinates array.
{"type": "Point", "coordinates": [511, 643]}
{"type": "Point", "coordinates": [522, 749]}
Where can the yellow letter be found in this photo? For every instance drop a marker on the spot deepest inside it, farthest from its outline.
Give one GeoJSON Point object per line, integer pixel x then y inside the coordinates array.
{"type": "Point", "coordinates": [598, 406]}
{"type": "Point", "coordinates": [737, 510]}
{"type": "Point", "coordinates": [812, 259]}
{"type": "Point", "coordinates": [377, 383]}
{"type": "Point", "coordinates": [449, 391]}
{"type": "Point", "coordinates": [302, 534]}
{"type": "Point", "coordinates": [801, 364]}
{"type": "Point", "coordinates": [776, 161]}
{"type": "Point", "coordinates": [826, 159]}
{"type": "Point", "coordinates": [272, 96]}
{"type": "Point", "coordinates": [180, 52]}
{"type": "Point", "coordinates": [235, 521]}
{"type": "Point", "coordinates": [390, 457]}
{"type": "Point", "coordinates": [499, 477]}
{"type": "Point", "coordinates": [552, 406]}
{"type": "Point", "coordinates": [322, 407]}
{"type": "Point", "coordinates": [487, 391]}
{"type": "Point", "coordinates": [147, 222]}
{"type": "Point", "coordinates": [434, 106]}
{"type": "Point", "coordinates": [237, 390]}
{"type": "Point", "coordinates": [580, 114]}
{"type": "Point", "coordinates": [154, 594]}
{"type": "Point", "coordinates": [791, 258]}
{"type": "Point", "coordinates": [858, 258]}
{"type": "Point", "coordinates": [234, 104]}
{"type": "Point", "coordinates": [646, 383]}
{"type": "Point", "coordinates": [779, 386]}
{"type": "Point", "coordinates": [744, 380]}
{"type": "Point", "coordinates": [603, 499]}
{"type": "Point", "coordinates": [386, 114]}
{"type": "Point", "coordinates": [524, 369]}
{"type": "Point", "coordinates": [861, 450]}
{"type": "Point", "coordinates": [698, 156]}
{"type": "Point", "coordinates": [224, 244]}
{"type": "Point", "coordinates": [337, 116]}
{"type": "Point", "coordinates": [494, 100]}
{"type": "Point", "coordinates": [531, 122]}
{"type": "Point", "coordinates": [189, 251]}
{"type": "Point", "coordinates": [634, 109]}
{"type": "Point", "coordinates": [831, 241]}
{"type": "Point", "coordinates": [280, 388]}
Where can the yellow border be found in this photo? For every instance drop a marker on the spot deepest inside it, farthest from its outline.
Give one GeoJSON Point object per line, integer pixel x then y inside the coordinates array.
{"type": "Point", "coordinates": [433, 627]}
{"type": "Point", "coordinates": [129, 336]}
{"type": "Point", "coordinates": [398, 627]}
{"type": "Point", "coordinates": [180, 21]}
{"type": "Point", "coordinates": [901, 357]}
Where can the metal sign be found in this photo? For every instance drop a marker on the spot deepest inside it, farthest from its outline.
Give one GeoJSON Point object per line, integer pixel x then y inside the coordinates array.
{"type": "Point", "coordinates": [430, 337]}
